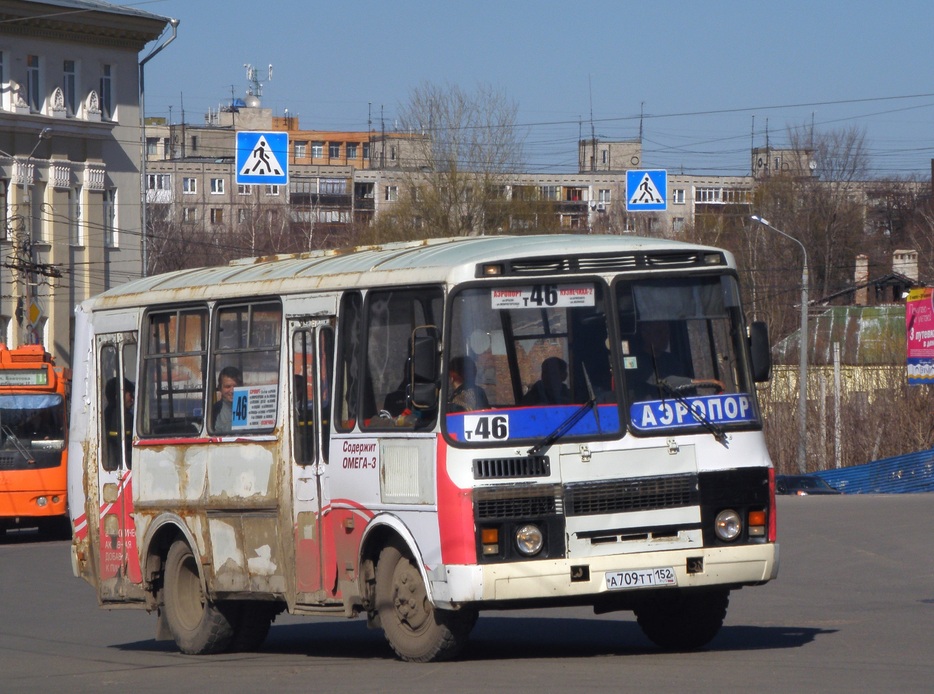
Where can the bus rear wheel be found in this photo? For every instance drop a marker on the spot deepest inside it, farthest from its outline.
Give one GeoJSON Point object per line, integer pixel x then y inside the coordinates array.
{"type": "Point", "coordinates": [198, 626]}
{"type": "Point", "coordinates": [416, 630]}
{"type": "Point", "coordinates": [683, 622]}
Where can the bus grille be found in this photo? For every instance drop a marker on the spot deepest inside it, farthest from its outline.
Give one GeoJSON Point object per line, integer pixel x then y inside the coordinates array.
{"type": "Point", "coordinates": [620, 496]}
{"type": "Point", "coordinates": [508, 468]}
{"type": "Point", "coordinates": [509, 502]}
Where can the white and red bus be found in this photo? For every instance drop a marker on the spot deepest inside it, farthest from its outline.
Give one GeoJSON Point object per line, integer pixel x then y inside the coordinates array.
{"type": "Point", "coordinates": [33, 428]}
{"type": "Point", "coordinates": [417, 432]}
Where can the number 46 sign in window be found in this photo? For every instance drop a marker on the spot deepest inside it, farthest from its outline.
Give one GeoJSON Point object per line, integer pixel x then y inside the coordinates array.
{"type": "Point", "coordinates": [479, 427]}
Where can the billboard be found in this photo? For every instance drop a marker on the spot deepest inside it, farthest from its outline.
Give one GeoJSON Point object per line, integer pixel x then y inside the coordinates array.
{"type": "Point", "coordinates": [919, 335]}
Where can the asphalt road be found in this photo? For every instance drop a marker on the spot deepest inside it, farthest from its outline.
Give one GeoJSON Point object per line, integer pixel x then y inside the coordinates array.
{"type": "Point", "coordinates": [851, 611]}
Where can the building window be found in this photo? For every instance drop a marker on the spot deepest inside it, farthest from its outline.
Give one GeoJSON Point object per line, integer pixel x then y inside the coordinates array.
{"type": "Point", "coordinates": [549, 192]}
{"type": "Point", "coordinates": [332, 186]}
{"type": "Point", "coordinates": [190, 215]}
{"type": "Point", "coordinates": [677, 224]}
{"type": "Point", "coordinates": [603, 195]}
{"type": "Point", "coordinates": [194, 143]}
{"type": "Point", "coordinates": [678, 196]}
{"type": "Point", "coordinates": [217, 215]}
{"type": "Point", "coordinates": [605, 156]}
{"type": "Point", "coordinates": [107, 92]}
{"type": "Point", "coordinates": [217, 186]}
{"type": "Point", "coordinates": [351, 150]}
{"type": "Point", "coordinates": [317, 150]}
{"type": "Point", "coordinates": [301, 149]}
{"type": "Point", "coordinates": [69, 88]}
{"type": "Point", "coordinates": [334, 150]}
{"type": "Point", "coordinates": [152, 146]}
{"type": "Point", "coordinates": [189, 185]}
{"type": "Point", "coordinates": [244, 189]}
{"type": "Point", "coordinates": [366, 151]}
{"type": "Point", "coordinates": [392, 152]}
{"type": "Point", "coordinates": [272, 190]}
{"type": "Point", "coordinates": [158, 181]}
{"type": "Point", "coordinates": [110, 218]}
{"type": "Point", "coordinates": [33, 93]}
{"type": "Point", "coordinates": [241, 215]}
{"type": "Point", "coordinates": [392, 193]}
{"type": "Point", "coordinates": [75, 227]}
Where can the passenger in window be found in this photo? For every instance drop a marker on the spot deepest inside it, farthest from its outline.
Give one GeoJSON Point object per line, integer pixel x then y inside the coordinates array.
{"type": "Point", "coordinates": [463, 392]}
{"type": "Point", "coordinates": [229, 378]}
{"type": "Point", "coordinates": [112, 417]}
{"type": "Point", "coordinates": [550, 389]}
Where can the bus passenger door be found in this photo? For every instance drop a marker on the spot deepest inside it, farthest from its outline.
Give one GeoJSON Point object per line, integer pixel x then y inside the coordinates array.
{"type": "Point", "coordinates": [119, 575]}
{"type": "Point", "coordinates": [312, 358]}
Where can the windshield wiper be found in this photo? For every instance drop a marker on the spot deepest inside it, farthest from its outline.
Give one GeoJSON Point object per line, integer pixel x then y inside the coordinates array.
{"type": "Point", "coordinates": [699, 415]}
{"type": "Point", "coordinates": [14, 439]}
{"type": "Point", "coordinates": [565, 426]}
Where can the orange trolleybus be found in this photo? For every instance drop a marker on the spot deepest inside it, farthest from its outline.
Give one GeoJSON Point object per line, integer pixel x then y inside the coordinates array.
{"type": "Point", "coordinates": [33, 397]}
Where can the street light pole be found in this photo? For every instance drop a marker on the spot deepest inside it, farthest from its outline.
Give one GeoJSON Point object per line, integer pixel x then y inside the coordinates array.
{"type": "Point", "coordinates": [802, 350]}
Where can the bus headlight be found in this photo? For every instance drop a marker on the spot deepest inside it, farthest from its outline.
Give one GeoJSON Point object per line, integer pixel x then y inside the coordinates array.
{"type": "Point", "coordinates": [41, 501]}
{"type": "Point", "coordinates": [529, 539]}
{"type": "Point", "coordinates": [728, 525]}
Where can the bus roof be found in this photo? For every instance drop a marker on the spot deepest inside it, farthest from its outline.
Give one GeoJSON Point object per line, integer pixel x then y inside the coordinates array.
{"type": "Point", "coordinates": [415, 262]}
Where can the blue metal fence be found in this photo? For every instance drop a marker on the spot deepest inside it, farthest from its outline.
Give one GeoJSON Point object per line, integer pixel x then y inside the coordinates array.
{"type": "Point", "coordinates": [903, 474]}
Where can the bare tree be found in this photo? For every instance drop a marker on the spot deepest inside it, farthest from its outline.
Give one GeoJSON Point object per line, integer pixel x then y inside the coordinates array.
{"type": "Point", "coordinates": [457, 164]}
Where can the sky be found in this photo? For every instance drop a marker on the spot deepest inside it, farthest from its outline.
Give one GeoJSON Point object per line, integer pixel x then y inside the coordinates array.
{"type": "Point", "coordinates": [705, 81]}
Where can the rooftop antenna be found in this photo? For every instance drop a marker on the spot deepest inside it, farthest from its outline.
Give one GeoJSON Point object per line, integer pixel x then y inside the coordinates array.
{"type": "Point", "coordinates": [253, 77]}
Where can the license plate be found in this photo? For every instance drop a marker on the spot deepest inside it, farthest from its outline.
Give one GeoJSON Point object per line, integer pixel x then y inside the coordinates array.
{"type": "Point", "coordinates": [640, 578]}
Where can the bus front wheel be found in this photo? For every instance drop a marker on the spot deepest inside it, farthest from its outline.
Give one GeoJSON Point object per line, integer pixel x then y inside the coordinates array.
{"type": "Point", "coordinates": [685, 621]}
{"type": "Point", "coordinates": [198, 626]}
{"type": "Point", "coordinates": [416, 629]}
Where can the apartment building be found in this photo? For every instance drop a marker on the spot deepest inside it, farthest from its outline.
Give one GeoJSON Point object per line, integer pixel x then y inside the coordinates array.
{"type": "Point", "coordinates": [69, 160]}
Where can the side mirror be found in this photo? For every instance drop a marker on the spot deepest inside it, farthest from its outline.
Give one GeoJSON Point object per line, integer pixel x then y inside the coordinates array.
{"type": "Point", "coordinates": [425, 363]}
{"type": "Point", "coordinates": [761, 351]}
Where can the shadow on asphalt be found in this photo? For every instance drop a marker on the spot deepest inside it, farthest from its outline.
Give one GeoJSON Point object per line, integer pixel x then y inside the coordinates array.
{"type": "Point", "coordinates": [510, 638]}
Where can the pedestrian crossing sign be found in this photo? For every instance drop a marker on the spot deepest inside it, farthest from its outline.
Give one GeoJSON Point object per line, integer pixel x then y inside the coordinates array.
{"type": "Point", "coordinates": [262, 158]}
{"type": "Point", "coordinates": [646, 190]}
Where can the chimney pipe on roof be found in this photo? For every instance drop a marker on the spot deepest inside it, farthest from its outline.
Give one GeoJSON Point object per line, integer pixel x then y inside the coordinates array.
{"type": "Point", "coordinates": [861, 279]}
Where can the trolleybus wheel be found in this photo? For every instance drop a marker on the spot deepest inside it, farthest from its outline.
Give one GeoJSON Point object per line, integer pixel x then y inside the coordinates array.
{"type": "Point", "coordinates": [198, 625]}
{"type": "Point", "coordinates": [685, 622]}
{"type": "Point", "coordinates": [416, 630]}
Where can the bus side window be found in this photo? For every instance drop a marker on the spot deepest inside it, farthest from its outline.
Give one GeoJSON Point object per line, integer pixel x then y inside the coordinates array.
{"type": "Point", "coordinates": [109, 401]}
{"type": "Point", "coordinates": [392, 317]}
{"type": "Point", "coordinates": [303, 399]}
{"type": "Point", "coordinates": [325, 377]}
{"type": "Point", "coordinates": [245, 354]}
{"type": "Point", "coordinates": [351, 354]}
{"type": "Point", "coordinates": [174, 362]}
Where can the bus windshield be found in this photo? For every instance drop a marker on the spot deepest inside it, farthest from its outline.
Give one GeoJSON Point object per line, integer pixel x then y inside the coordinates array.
{"type": "Point", "coordinates": [682, 353]}
{"type": "Point", "coordinates": [32, 420]}
{"type": "Point", "coordinates": [525, 361]}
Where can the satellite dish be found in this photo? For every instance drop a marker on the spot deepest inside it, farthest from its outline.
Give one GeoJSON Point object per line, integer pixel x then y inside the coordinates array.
{"type": "Point", "coordinates": [812, 165]}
